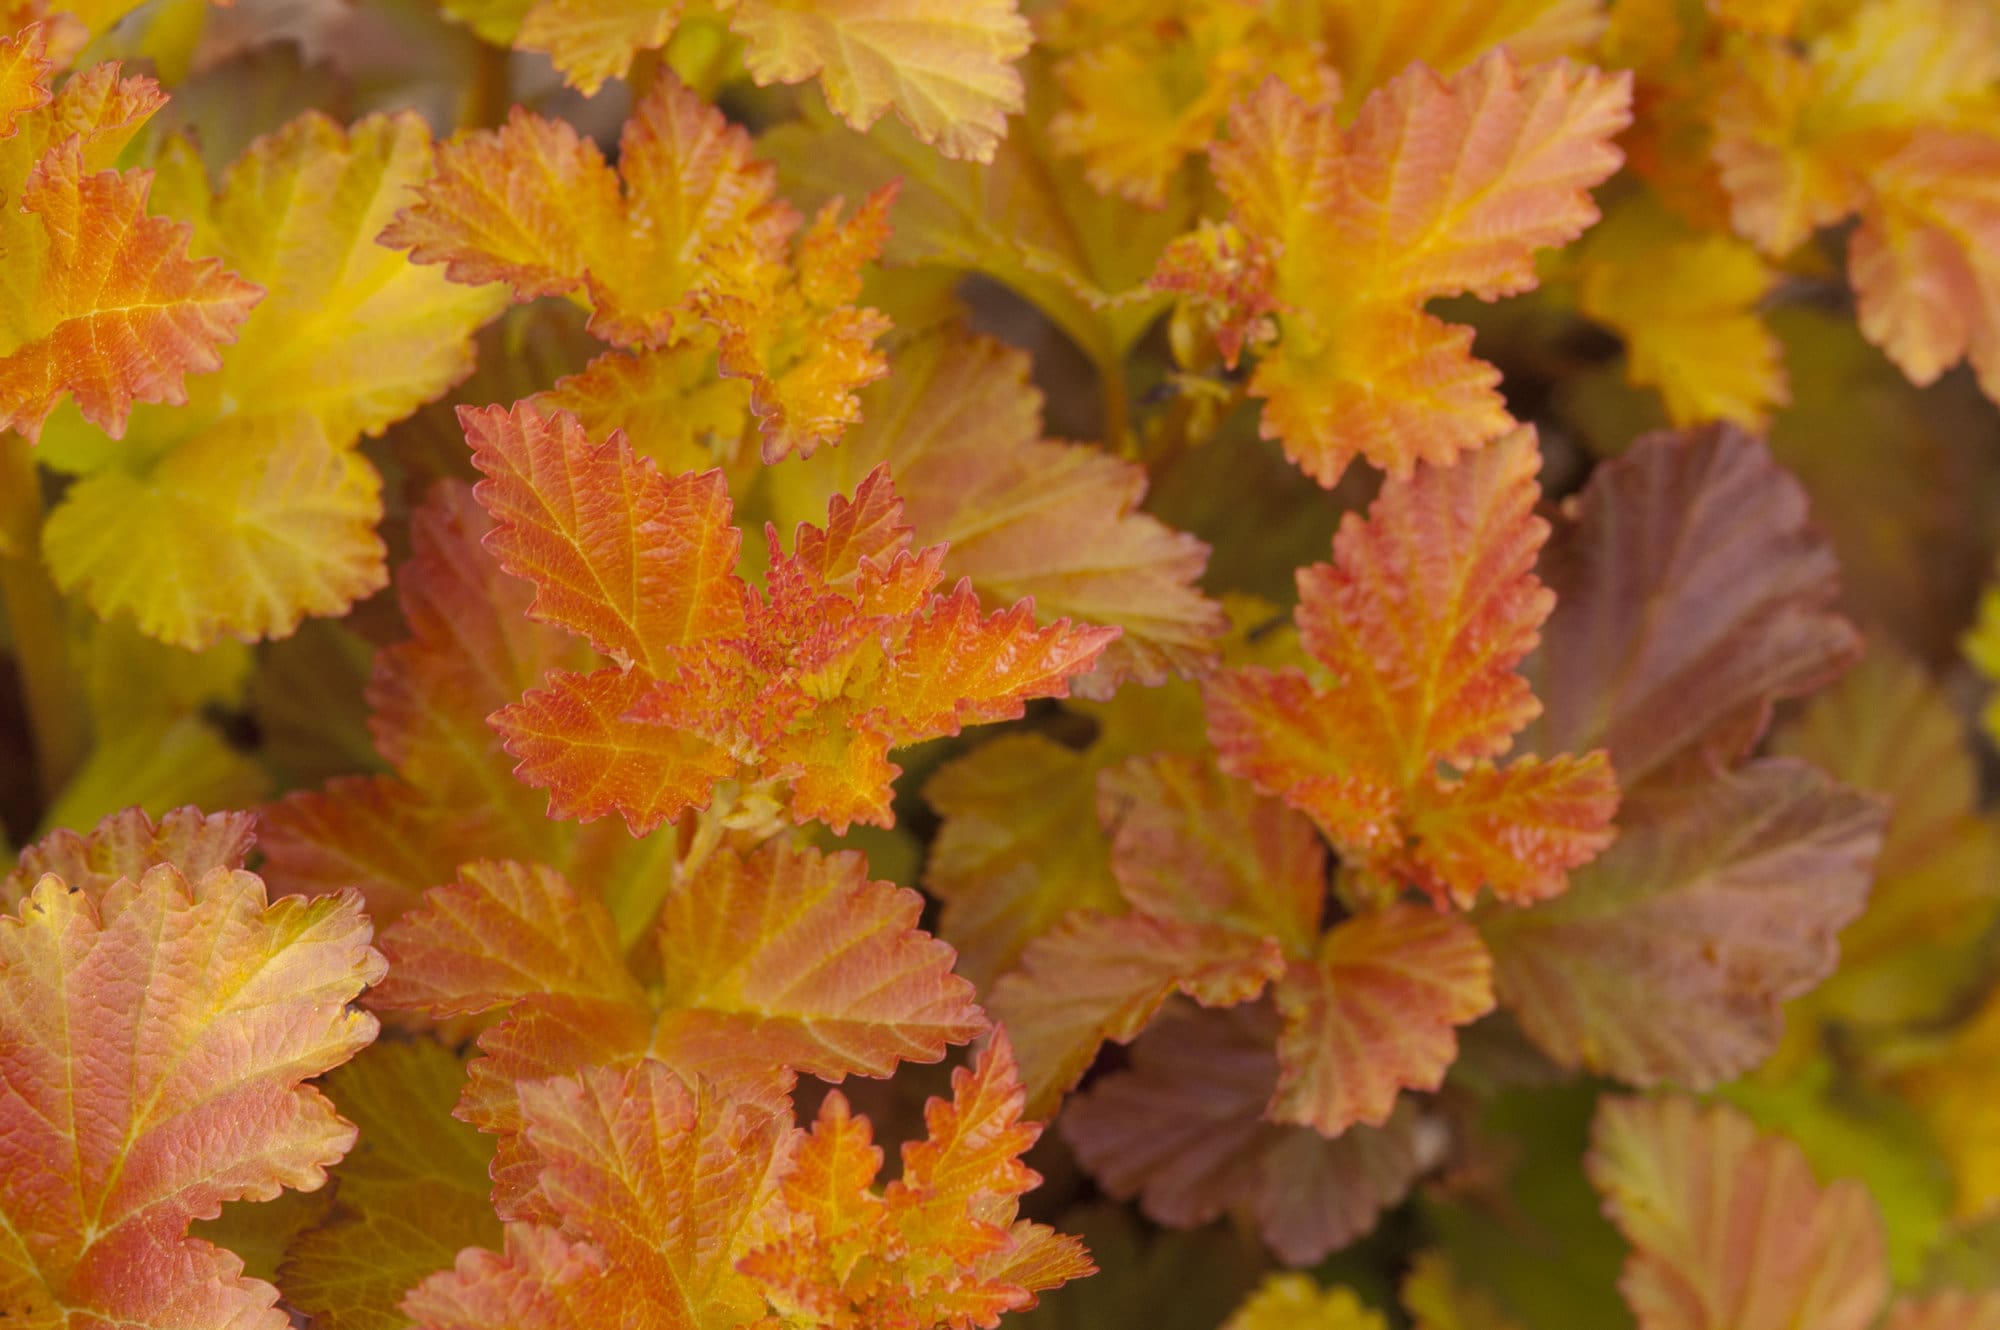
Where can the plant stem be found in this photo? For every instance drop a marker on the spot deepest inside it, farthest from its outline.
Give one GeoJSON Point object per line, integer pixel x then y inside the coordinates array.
{"type": "Point", "coordinates": [490, 94]}
{"type": "Point", "coordinates": [35, 619]}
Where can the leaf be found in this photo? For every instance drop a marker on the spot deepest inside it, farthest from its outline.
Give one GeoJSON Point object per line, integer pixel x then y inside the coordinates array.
{"type": "Point", "coordinates": [941, 1245]}
{"type": "Point", "coordinates": [1729, 1227]}
{"type": "Point", "coordinates": [800, 344]}
{"type": "Point", "coordinates": [411, 1195]}
{"type": "Point", "coordinates": [1670, 958]}
{"type": "Point", "coordinates": [1921, 261]}
{"type": "Point", "coordinates": [847, 653]}
{"type": "Point", "coordinates": [1887, 727]}
{"type": "Point", "coordinates": [153, 1043]}
{"type": "Point", "coordinates": [1368, 223]}
{"type": "Point", "coordinates": [1437, 1300]}
{"type": "Point", "coordinates": [243, 529]}
{"type": "Point", "coordinates": [1691, 595]}
{"type": "Point", "coordinates": [1188, 842]}
{"type": "Point", "coordinates": [129, 844]}
{"type": "Point", "coordinates": [960, 426]}
{"type": "Point", "coordinates": [684, 246]}
{"type": "Point", "coordinates": [248, 507]}
{"type": "Point", "coordinates": [787, 961]}
{"type": "Point", "coordinates": [1949, 1078]}
{"type": "Point", "coordinates": [1295, 1302]}
{"type": "Point", "coordinates": [1800, 139]}
{"type": "Point", "coordinates": [116, 312]}
{"type": "Point", "coordinates": [948, 76]}
{"type": "Point", "coordinates": [1019, 849]}
{"type": "Point", "coordinates": [101, 302]}
{"type": "Point", "coordinates": [1095, 977]}
{"type": "Point", "coordinates": [24, 76]}
{"type": "Point", "coordinates": [1183, 1130]}
{"type": "Point", "coordinates": [1685, 303]}
{"type": "Point", "coordinates": [624, 1155]}
{"type": "Point", "coordinates": [565, 514]}
{"type": "Point", "coordinates": [1376, 1013]}
{"type": "Point", "coordinates": [1419, 677]}
{"type": "Point", "coordinates": [686, 1209]}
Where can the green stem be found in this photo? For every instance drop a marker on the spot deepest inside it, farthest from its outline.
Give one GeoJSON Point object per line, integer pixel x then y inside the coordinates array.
{"type": "Point", "coordinates": [36, 619]}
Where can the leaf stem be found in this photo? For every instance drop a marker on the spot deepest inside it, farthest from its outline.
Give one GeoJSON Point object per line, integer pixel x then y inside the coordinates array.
{"type": "Point", "coordinates": [35, 618]}
{"type": "Point", "coordinates": [490, 94]}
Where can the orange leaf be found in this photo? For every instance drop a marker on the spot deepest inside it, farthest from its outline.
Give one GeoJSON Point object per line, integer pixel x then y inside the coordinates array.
{"type": "Point", "coordinates": [1376, 1013]}
{"type": "Point", "coordinates": [1729, 1228]}
{"type": "Point", "coordinates": [656, 1186]}
{"type": "Point", "coordinates": [1926, 280]}
{"type": "Point", "coordinates": [564, 517]}
{"type": "Point", "coordinates": [685, 247]}
{"type": "Point", "coordinates": [154, 1037]}
{"type": "Point", "coordinates": [499, 933]}
{"type": "Point", "coordinates": [112, 310]}
{"type": "Point", "coordinates": [128, 844]}
{"type": "Point", "coordinates": [1421, 675]}
{"type": "Point", "coordinates": [1438, 188]}
{"type": "Point", "coordinates": [941, 1245]}
{"type": "Point", "coordinates": [535, 205]}
{"type": "Point", "coordinates": [786, 961]}
{"type": "Point", "coordinates": [848, 652]}
{"type": "Point", "coordinates": [700, 1213]}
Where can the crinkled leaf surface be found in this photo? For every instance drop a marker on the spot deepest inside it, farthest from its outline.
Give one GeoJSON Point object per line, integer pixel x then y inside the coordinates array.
{"type": "Point", "coordinates": [156, 1034]}
{"type": "Point", "coordinates": [1438, 188]}
{"type": "Point", "coordinates": [1419, 679]}
{"type": "Point", "coordinates": [848, 652]}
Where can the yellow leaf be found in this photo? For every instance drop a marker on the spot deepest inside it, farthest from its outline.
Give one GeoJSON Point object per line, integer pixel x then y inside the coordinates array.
{"type": "Point", "coordinates": [1295, 1302]}
{"type": "Point", "coordinates": [247, 508]}
{"type": "Point", "coordinates": [1685, 304]}
{"type": "Point", "coordinates": [243, 529]}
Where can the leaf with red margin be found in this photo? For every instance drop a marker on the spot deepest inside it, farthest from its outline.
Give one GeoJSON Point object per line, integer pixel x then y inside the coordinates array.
{"type": "Point", "coordinates": [684, 247]}
{"type": "Point", "coordinates": [1729, 1228]}
{"type": "Point", "coordinates": [154, 1038]}
{"type": "Point", "coordinates": [566, 517]}
{"type": "Point", "coordinates": [1671, 957]}
{"type": "Point", "coordinates": [787, 961]}
{"type": "Point", "coordinates": [24, 75]}
{"type": "Point", "coordinates": [1376, 1013]}
{"type": "Point", "coordinates": [103, 303]}
{"type": "Point", "coordinates": [1419, 676]}
{"type": "Point", "coordinates": [1438, 188]}
{"type": "Point", "coordinates": [128, 844]}
{"type": "Point", "coordinates": [848, 652]}
{"type": "Point", "coordinates": [959, 424]}
{"type": "Point", "coordinates": [657, 1188]}
{"type": "Point", "coordinates": [941, 1245]}
{"type": "Point", "coordinates": [697, 1211]}
{"type": "Point", "coordinates": [1691, 595]}
{"type": "Point", "coordinates": [1184, 1131]}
